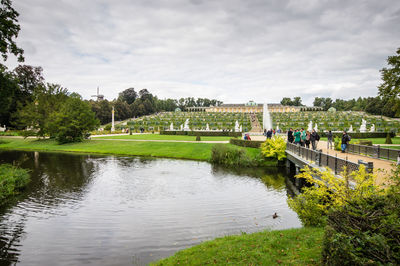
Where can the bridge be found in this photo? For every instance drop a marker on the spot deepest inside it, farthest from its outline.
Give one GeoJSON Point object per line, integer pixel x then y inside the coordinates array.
{"type": "Point", "coordinates": [375, 159]}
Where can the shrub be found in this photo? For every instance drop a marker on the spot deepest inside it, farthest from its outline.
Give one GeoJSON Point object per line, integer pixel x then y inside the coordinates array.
{"type": "Point", "coordinates": [328, 191]}
{"type": "Point", "coordinates": [337, 142]}
{"type": "Point", "coordinates": [388, 139]}
{"type": "Point", "coordinates": [12, 181]}
{"type": "Point", "coordinates": [274, 148]}
{"type": "Point", "coordinates": [364, 232]}
{"type": "Point", "coordinates": [230, 156]}
{"type": "Point", "coordinates": [198, 138]}
{"type": "Point", "coordinates": [246, 143]}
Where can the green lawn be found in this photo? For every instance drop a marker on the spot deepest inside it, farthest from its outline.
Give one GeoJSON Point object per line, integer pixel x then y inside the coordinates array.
{"type": "Point", "coordinates": [193, 151]}
{"type": "Point", "coordinates": [391, 147]}
{"type": "Point", "coordinates": [165, 137]}
{"type": "Point", "coordinates": [288, 247]}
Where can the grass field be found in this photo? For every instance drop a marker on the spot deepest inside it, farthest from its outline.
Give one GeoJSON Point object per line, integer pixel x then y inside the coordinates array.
{"type": "Point", "coordinates": [288, 247]}
{"type": "Point", "coordinates": [193, 151]}
{"type": "Point", "coordinates": [164, 137]}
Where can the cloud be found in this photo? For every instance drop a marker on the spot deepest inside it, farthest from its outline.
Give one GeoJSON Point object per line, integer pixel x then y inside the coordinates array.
{"type": "Point", "coordinates": [230, 50]}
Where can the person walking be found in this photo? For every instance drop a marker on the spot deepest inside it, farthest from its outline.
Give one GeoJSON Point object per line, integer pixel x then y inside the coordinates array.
{"type": "Point", "coordinates": [308, 136]}
{"type": "Point", "coordinates": [290, 137]}
{"type": "Point", "coordinates": [313, 139]}
{"type": "Point", "coordinates": [330, 139]}
{"type": "Point", "coordinates": [269, 134]}
{"type": "Point", "coordinates": [303, 137]}
{"type": "Point", "coordinates": [345, 141]}
{"type": "Point", "coordinates": [297, 137]}
{"type": "Point", "coordinates": [265, 132]}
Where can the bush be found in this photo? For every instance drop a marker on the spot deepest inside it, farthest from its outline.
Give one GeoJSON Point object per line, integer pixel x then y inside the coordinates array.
{"type": "Point", "coordinates": [274, 148]}
{"type": "Point", "coordinates": [229, 155]}
{"type": "Point", "coordinates": [388, 139]}
{"type": "Point", "coordinates": [328, 191]}
{"type": "Point", "coordinates": [12, 181]}
{"type": "Point", "coordinates": [337, 142]}
{"type": "Point", "coordinates": [198, 138]}
{"type": "Point", "coordinates": [202, 133]}
{"type": "Point", "coordinates": [364, 232]}
{"type": "Point", "coordinates": [246, 143]}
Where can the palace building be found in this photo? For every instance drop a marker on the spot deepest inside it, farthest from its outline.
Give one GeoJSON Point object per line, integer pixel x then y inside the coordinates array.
{"type": "Point", "coordinates": [250, 107]}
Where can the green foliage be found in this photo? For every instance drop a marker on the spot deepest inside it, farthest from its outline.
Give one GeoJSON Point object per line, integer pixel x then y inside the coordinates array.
{"type": "Point", "coordinates": [328, 191]}
{"type": "Point", "coordinates": [390, 87]}
{"type": "Point", "coordinates": [388, 139]}
{"type": "Point", "coordinates": [246, 143]}
{"type": "Point", "coordinates": [73, 121]}
{"type": "Point", "coordinates": [12, 181]}
{"type": "Point", "coordinates": [274, 148]}
{"type": "Point", "coordinates": [198, 138]}
{"type": "Point", "coordinates": [9, 31]}
{"type": "Point", "coordinates": [365, 231]}
{"type": "Point", "coordinates": [201, 133]}
{"type": "Point", "coordinates": [337, 143]}
{"type": "Point", "coordinates": [231, 156]}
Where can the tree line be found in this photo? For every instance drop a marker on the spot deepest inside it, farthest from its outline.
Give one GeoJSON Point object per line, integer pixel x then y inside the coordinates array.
{"type": "Point", "coordinates": [134, 104]}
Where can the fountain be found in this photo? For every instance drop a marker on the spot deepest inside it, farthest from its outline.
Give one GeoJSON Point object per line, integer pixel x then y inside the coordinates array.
{"type": "Point", "coordinates": [363, 127]}
{"type": "Point", "coordinates": [237, 126]}
{"type": "Point", "coordinates": [171, 127]}
{"type": "Point", "coordinates": [267, 122]}
{"type": "Point", "coordinates": [372, 128]}
{"type": "Point", "coordinates": [208, 127]}
{"type": "Point", "coordinates": [310, 126]}
{"type": "Point", "coordinates": [186, 127]}
{"type": "Point", "coordinates": [351, 128]}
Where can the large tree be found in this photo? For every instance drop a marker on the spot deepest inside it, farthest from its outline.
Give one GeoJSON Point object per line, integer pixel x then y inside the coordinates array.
{"type": "Point", "coordinates": [128, 95]}
{"type": "Point", "coordinates": [9, 30]}
{"type": "Point", "coordinates": [390, 87]}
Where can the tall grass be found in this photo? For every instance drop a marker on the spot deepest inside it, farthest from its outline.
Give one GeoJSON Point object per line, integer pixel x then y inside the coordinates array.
{"type": "Point", "coordinates": [231, 156]}
{"type": "Point", "coordinates": [12, 181]}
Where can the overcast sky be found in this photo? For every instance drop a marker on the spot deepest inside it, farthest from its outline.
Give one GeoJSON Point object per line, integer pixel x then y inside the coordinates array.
{"type": "Point", "coordinates": [232, 50]}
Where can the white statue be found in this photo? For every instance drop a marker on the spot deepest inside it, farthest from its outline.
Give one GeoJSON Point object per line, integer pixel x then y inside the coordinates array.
{"type": "Point", "coordinates": [316, 127]}
{"type": "Point", "coordinates": [363, 127]}
{"type": "Point", "coordinates": [351, 128]}
{"type": "Point", "coordinates": [240, 129]}
{"type": "Point", "coordinates": [208, 127]}
{"type": "Point", "coordinates": [372, 128]}
{"type": "Point", "coordinates": [237, 126]}
{"type": "Point", "coordinates": [171, 127]}
{"type": "Point", "coordinates": [181, 127]}
{"type": "Point", "coordinates": [310, 126]}
{"type": "Point", "coordinates": [3, 129]}
{"type": "Point", "coordinates": [186, 127]}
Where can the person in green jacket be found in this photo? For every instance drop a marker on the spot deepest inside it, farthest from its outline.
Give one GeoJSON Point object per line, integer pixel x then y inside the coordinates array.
{"type": "Point", "coordinates": [303, 137]}
{"type": "Point", "coordinates": [297, 136]}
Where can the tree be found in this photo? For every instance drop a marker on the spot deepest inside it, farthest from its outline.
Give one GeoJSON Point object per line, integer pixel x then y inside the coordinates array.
{"type": "Point", "coordinates": [9, 31]}
{"type": "Point", "coordinates": [122, 110]}
{"type": "Point", "coordinates": [37, 114]}
{"type": "Point", "coordinates": [28, 78]}
{"type": "Point", "coordinates": [73, 121]}
{"type": "Point", "coordinates": [128, 95]}
{"type": "Point", "coordinates": [8, 91]}
{"type": "Point", "coordinates": [390, 87]}
{"type": "Point", "coordinates": [286, 101]}
{"type": "Point", "coordinates": [297, 101]}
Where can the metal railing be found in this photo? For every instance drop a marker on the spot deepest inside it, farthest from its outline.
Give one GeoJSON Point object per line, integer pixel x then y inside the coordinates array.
{"type": "Point", "coordinates": [374, 151]}
{"type": "Point", "coordinates": [338, 165]}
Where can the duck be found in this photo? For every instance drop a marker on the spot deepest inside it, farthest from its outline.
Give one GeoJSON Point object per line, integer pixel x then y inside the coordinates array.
{"type": "Point", "coordinates": [275, 216]}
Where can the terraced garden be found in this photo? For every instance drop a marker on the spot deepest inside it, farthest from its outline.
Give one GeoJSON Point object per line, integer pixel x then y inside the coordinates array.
{"type": "Point", "coordinates": [335, 121]}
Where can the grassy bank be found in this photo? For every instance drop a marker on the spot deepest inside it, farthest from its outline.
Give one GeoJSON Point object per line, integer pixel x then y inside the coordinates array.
{"type": "Point", "coordinates": [193, 151]}
{"type": "Point", "coordinates": [289, 247]}
{"type": "Point", "coordinates": [164, 137]}
{"type": "Point", "coordinates": [12, 181]}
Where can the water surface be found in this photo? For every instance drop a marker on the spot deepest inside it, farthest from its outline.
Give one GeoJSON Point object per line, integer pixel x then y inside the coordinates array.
{"type": "Point", "coordinates": [106, 210]}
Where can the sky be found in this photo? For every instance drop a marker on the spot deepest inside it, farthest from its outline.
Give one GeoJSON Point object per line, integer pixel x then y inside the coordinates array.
{"type": "Point", "coordinates": [231, 50]}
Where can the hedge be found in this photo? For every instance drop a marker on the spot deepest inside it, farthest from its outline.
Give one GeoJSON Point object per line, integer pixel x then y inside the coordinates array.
{"type": "Point", "coordinates": [202, 133]}
{"type": "Point", "coordinates": [361, 135]}
{"type": "Point", "coordinates": [246, 143]}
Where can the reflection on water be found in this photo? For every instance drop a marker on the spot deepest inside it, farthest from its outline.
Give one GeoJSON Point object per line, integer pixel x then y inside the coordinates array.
{"type": "Point", "coordinates": [82, 209]}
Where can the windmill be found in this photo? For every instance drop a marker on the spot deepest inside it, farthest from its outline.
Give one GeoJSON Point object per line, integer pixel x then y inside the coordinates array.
{"type": "Point", "coordinates": [99, 97]}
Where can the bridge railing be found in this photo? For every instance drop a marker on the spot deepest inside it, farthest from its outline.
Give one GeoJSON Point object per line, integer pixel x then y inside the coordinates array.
{"type": "Point", "coordinates": [374, 151]}
{"type": "Point", "coordinates": [338, 165]}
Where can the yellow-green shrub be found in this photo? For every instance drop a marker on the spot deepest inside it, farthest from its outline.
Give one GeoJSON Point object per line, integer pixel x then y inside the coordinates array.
{"type": "Point", "coordinates": [274, 148]}
{"type": "Point", "coordinates": [328, 191]}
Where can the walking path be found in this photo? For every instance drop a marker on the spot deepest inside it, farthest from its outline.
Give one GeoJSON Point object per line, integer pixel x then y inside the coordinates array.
{"type": "Point", "coordinates": [381, 167]}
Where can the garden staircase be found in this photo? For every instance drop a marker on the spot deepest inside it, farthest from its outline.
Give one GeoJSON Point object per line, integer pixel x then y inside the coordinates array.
{"type": "Point", "coordinates": [255, 124]}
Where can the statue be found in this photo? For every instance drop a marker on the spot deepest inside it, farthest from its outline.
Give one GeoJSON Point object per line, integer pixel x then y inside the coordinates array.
{"type": "Point", "coordinates": [310, 126]}
{"type": "Point", "coordinates": [171, 127]}
{"type": "Point", "coordinates": [237, 126]}
{"type": "Point", "coordinates": [186, 126]}
{"type": "Point", "coordinates": [112, 120]}
{"type": "Point", "coordinates": [351, 128]}
{"type": "Point", "coordinates": [208, 127]}
{"type": "Point", "coordinates": [363, 127]}
{"type": "Point", "coordinates": [372, 128]}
